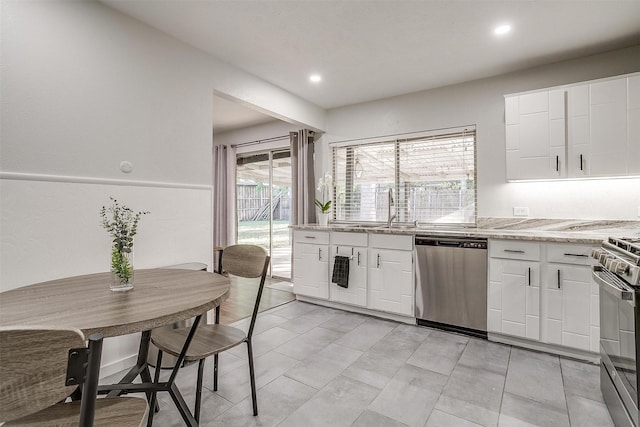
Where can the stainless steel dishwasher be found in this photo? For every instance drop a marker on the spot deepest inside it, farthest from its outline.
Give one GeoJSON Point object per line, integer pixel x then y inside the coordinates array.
{"type": "Point", "coordinates": [451, 283]}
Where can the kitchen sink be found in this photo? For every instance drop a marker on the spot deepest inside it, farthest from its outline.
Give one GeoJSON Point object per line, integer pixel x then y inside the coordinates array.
{"type": "Point", "coordinates": [369, 226]}
{"type": "Point", "coordinates": [378, 226]}
{"type": "Point", "coordinates": [398, 227]}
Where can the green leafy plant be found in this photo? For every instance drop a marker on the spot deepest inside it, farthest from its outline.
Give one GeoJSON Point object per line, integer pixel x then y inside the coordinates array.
{"type": "Point", "coordinates": [324, 185]}
{"type": "Point", "coordinates": [122, 224]}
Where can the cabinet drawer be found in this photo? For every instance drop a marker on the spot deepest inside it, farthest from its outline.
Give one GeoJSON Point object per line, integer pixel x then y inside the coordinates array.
{"type": "Point", "coordinates": [311, 236]}
{"type": "Point", "coordinates": [513, 249]}
{"type": "Point", "coordinates": [570, 254]}
{"type": "Point", "coordinates": [339, 238]}
{"type": "Point", "coordinates": [389, 241]}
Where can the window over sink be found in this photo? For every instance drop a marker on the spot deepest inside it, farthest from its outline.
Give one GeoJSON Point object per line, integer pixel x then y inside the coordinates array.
{"type": "Point", "coordinates": [431, 174]}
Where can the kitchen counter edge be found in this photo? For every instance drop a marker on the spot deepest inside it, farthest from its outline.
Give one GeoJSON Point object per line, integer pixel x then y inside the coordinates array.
{"type": "Point", "coordinates": [585, 236]}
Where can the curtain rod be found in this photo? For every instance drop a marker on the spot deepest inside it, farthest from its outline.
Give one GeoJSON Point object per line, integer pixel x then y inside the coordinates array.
{"type": "Point", "coordinates": [260, 141]}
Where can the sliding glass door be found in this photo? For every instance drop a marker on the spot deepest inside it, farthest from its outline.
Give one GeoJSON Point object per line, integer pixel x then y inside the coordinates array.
{"type": "Point", "coordinates": [263, 196]}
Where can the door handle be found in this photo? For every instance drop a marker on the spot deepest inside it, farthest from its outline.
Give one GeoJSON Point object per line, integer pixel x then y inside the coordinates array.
{"type": "Point", "coordinates": [612, 284]}
{"type": "Point", "coordinates": [558, 278]}
{"type": "Point", "coordinates": [319, 254]}
{"type": "Point", "coordinates": [581, 162]}
{"type": "Point", "coordinates": [378, 262]}
{"type": "Point", "coordinates": [529, 276]}
{"type": "Point", "coordinates": [557, 163]}
{"type": "Point", "coordinates": [358, 257]}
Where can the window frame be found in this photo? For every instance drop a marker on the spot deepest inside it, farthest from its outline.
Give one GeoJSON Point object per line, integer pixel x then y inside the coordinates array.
{"type": "Point", "coordinates": [398, 140]}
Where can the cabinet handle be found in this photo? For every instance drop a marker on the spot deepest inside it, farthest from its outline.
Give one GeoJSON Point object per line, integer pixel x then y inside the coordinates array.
{"type": "Point", "coordinates": [358, 257]}
{"type": "Point", "coordinates": [578, 255]}
{"type": "Point", "coordinates": [529, 276]}
{"type": "Point", "coordinates": [337, 249]}
{"type": "Point", "coordinates": [581, 162]}
{"type": "Point", "coordinates": [557, 163]}
{"type": "Point", "coordinates": [378, 262]}
{"type": "Point", "coordinates": [351, 251]}
{"type": "Point", "coordinates": [319, 254]}
{"type": "Point", "coordinates": [309, 237]}
{"type": "Point", "coordinates": [513, 251]}
{"type": "Point", "coordinates": [558, 278]}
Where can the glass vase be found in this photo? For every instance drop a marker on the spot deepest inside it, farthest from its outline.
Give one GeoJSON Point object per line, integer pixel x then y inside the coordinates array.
{"type": "Point", "coordinates": [121, 270]}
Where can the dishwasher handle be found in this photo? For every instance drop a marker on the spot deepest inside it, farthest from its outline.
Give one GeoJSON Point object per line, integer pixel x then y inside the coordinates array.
{"type": "Point", "coordinates": [451, 242]}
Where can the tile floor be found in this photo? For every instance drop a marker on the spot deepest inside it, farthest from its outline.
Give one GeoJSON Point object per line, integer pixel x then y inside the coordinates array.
{"type": "Point", "coordinates": [318, 366]}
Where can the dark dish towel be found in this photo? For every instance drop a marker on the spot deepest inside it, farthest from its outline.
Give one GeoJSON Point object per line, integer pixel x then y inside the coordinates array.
{"type": "Point", "coordinates": [341, 271]}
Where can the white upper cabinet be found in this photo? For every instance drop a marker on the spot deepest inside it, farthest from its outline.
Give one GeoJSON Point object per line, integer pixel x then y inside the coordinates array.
{"type": "Point", "coordinates": [579, 138]}
{"type": "Point", "coordinates": [584, 130]}
{"type": "Point", "coordinates": [535, 135]}
{"type": "Point", "coordinates": [633, 123]}
{"type": "Point", "coordinates": [608, 156]}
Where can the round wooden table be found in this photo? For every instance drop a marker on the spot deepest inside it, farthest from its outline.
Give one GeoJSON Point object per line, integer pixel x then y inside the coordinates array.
{"type": "Point", "coordinates": [160, 297]}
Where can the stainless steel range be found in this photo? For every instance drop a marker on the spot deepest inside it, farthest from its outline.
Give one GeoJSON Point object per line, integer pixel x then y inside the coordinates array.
{"type": "Point", "coordinates": [618, 275]}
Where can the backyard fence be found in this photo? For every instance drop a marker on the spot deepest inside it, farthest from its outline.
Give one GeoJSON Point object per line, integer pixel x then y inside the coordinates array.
{"type": "Point", "coordinates": [253, 203]}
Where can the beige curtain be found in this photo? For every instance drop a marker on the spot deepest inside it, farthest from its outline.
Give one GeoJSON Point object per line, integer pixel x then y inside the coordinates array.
{"type": "Point", "coordinates": [224, 197]}
{"type": "Point", "coordinates": [302, 177]}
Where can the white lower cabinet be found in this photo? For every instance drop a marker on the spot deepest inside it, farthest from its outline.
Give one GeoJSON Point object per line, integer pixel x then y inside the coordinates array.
{"type": "Point", "coordinates": [311, 263]}
{"type": "Point", "coordinates": [381, 273]}
{"type": "Point", "coordinates": [391, 278]}
{"type": "Point", "coordinates": [571, 299]}
{"type": "Point", "coordinates": [514, 297]}
{"type": "Point", "coordinates": [343, 244]}
{"type": "Point", "coordinates": [543, 292]}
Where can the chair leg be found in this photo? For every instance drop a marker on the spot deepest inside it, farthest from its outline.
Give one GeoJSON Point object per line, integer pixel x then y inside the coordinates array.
{"type": "Point", "coordinates": [196, 414]}
{"type": "Point", "coordinates": [215, 372]}
{"type": "Point", "coordinates": [156, 379]}
{"type": "Point", "coordinates": [253, 378]}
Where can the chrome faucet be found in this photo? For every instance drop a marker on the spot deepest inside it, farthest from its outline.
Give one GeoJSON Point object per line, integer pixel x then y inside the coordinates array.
{"type": "Point", "coordinates": [389, 217]}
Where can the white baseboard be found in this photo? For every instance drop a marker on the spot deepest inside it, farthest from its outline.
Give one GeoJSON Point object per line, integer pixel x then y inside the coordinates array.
{"type": "Point", "coordinates": [583, 355]}
{"type": "Point", "coordinates": [118, 365]}
{"type": "Point", "coordinates": [359, 310]}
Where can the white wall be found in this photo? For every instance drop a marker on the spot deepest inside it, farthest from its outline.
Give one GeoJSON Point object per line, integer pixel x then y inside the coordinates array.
{"type": "Point", "coordinates": [84, 88]}
{"type": "Point", "coordinates": [259, 132]}
{"type": "Point", "coordinates": [481, 102]}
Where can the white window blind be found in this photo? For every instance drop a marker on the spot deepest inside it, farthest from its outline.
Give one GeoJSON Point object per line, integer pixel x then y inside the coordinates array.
{"type": "Point", "coordinates": [432, 177]}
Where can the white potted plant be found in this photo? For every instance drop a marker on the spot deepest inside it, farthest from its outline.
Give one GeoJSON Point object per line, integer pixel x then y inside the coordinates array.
{"type": "Point", "coordinates": [324, 186]}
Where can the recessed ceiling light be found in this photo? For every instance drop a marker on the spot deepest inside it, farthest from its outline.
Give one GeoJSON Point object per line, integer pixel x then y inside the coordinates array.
{"type": "Point", "coordinates": [315, 78]}
{"type": "Point", "coordinates": [502, 29]}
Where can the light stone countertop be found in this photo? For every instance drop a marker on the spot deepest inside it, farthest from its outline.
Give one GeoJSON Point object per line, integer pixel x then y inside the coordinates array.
{"type": "Point", "coordinates": [537, 229]}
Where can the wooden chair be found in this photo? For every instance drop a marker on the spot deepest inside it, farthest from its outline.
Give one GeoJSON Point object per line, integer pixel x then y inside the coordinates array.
{"type": "Point", "coordinates": [247, 261]}
{"type": "Point", "coordinates": [41, 367]}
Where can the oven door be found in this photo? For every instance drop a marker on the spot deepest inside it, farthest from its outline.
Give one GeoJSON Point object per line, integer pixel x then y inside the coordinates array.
{"type": "Point", "coordinates": [618, 326]}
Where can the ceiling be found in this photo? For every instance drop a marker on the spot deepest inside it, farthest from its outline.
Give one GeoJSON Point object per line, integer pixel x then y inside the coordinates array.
{"type": "Point", "coordinates": [367, 50]}
{"type": "Point", "coordinates": [230, 115]}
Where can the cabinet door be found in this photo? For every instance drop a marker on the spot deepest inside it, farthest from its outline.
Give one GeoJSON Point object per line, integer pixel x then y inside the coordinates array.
{"type": "Point", "coordinates": [570, 298]}
{"type": "Point", "coordinates": [514, 297]}
{"type": "Point", "coordinates": [311, 270]}
{"type": "Point", "coordinates": [608, 153]}
{"type": "Point", "coordinates": [535, 135]}
{"type": "Point", "coordinates": [356, 291]}
{"type": "Point", "coordinates": [633, 121]}
{"type": "Point", "coordinates": [391, 281]}
{"type": "Point", "coordinates": [579, 137]}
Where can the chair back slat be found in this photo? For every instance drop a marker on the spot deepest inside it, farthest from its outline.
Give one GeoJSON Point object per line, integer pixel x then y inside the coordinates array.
{"type": "Point", "coordinates": [247, 261]}
{"type": "Point", "coordinates": [244, 260]}
{"type": "Point", "coordinates": [33, 368]}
